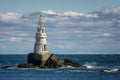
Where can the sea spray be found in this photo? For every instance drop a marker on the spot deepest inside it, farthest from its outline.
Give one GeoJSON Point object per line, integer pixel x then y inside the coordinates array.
{"type": "Point", "coordinates": [90, 65]}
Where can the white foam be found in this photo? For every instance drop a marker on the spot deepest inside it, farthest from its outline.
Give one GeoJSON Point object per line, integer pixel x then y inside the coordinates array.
{"type": "Point", "coordinates": [90, 65]}
{"type": "Point", "coordinates": [111, 70]}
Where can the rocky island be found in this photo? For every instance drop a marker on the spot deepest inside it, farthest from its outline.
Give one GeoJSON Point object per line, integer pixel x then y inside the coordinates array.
{"type": "Point", "coordinates": [41, 57]}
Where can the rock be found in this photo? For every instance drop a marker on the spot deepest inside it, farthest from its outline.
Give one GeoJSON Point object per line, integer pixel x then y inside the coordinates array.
{"type": "Point", "coordinates": [60, 63]}
{"type": "Point", "coordinates": [47, 56]}
{"type": "Point", "coordinates": [34, 58]}
{"type": "Point", "coordinates": [68, 62]}
{"type": "Point", "coordinates": [41, 59]}
{"type": "Point", "coordinates": [63, 63]}
{"type": "Point", "coordinates": [28, 65]}
{"type": "Point", "coordinates": [9, 67]}
{"type": "Point", "coordinates": [47, 60]}
{"type": "Point", "coordinates": [51, 62]}
{"type": "Point", "coordinates": [54, 57]}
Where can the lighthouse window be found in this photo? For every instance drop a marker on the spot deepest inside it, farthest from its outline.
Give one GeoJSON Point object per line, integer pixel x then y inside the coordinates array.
{"type": "Point", "coordinates": [45, 47]}
{"type": "Point", "coordinates": [43, 34]}
{"type": "Point", "coordinates": [42, 30]}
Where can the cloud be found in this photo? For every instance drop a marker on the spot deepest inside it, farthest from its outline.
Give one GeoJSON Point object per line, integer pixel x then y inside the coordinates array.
{"type": "Point", "coordinates": [9, 17]}
{"type": "Point", "coordinates": [92, 16]}
{"type": "Point", "coordinates": [15, 39]}
{"type": "Point", "coordinates": [49, 12]}
{"type": "Point", "coordinates": [106, 34]}
{"type": "Point", "coordinates": [71, 31]}
{"type": "Point", "coordinates": [11, 39]}
{"type": "Point", "coordinates": [71, 13]}
{"type": "Point", "coordinates": [108, 13]}
{"type": "Point", "coordinates": [111, 11]}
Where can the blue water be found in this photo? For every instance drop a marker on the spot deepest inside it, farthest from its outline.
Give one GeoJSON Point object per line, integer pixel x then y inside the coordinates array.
{"type": "Point", "coordinates": [95, 63]}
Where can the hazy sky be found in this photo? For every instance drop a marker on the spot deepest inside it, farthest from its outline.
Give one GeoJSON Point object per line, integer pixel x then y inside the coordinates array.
{"type": "Point", "coordinates": [85, 6]}
{"type": "Point", "coordinates": [72, 26]}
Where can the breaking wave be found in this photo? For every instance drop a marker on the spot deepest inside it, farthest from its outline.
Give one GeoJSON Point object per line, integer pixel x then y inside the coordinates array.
{"type": "Point", "coordinates": [90, 65]}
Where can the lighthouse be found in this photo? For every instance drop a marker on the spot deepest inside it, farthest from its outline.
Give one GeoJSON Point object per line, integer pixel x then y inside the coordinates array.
{"type": "Point", "coordinates": [41, 46]}
{"type": "Point", "coordinates": [41, 55]}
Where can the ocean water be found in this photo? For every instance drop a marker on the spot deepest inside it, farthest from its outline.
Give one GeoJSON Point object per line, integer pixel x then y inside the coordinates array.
{"type": "Point", "coordinates": [94, 63]}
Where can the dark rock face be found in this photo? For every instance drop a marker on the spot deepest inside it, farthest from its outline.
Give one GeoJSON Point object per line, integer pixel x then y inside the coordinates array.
{"type": "Point", "coordinates": [54, 57]}
{"type": "Point", "coordinates": [60, 63]}
{"type": "Point", "coordinates": [34, 58]}
{"type": "Point", "coordinates": [38, 59]}
{"type": "Point", "coordinates": [51, 61]}
{"type": "Point", "coordinates": [68, 62]}
{"type": "Point", "coordinates": [28, 65]}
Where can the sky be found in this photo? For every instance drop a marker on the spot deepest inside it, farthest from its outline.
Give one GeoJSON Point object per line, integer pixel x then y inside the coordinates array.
{"type": "Point", "coordinates": [72, 26]}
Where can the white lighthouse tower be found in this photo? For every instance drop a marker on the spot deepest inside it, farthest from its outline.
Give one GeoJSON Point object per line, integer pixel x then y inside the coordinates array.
{"type": "Point", "coordinates": [41, 56]}
{"type": "Point", "coordinates": [41, 46]}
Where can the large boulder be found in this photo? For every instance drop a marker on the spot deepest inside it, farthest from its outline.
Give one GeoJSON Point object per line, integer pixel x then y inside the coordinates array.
{"type": "Point", "coordinates": [48, 56]}
{"type": "Point", "coordinates": [51, 62]}
{"type": "Point", "coordinates": [34, 58]}
{"type": "Point", "coordinates": [41, 59]}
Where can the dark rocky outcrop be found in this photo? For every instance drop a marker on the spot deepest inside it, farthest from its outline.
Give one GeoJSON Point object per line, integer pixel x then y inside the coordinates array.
{"type": "Point", "coordinates": [26, 65]}
{"type": "Point", "coordinates": [36, 60]}
{"type": "Point", "coordinates": [51, 62]}
{"type": "Point", "coordinates": [68, 62]}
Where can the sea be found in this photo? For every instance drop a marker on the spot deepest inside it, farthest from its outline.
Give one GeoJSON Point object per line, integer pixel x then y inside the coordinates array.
{"type": "Point", "coordinates": [94, 71]}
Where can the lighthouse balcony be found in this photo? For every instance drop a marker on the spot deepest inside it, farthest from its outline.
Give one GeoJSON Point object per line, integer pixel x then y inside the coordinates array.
{"type": "Point", "coordinates": [42, 35]}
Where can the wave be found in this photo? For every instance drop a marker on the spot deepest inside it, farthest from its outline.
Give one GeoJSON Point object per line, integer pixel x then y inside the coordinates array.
{"type": "Point", "coordinates": [111, 70]}
{"type": "Point", "coordinates": [95, 65]}
{"type": "Point", "coordinates": [90, 65]}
